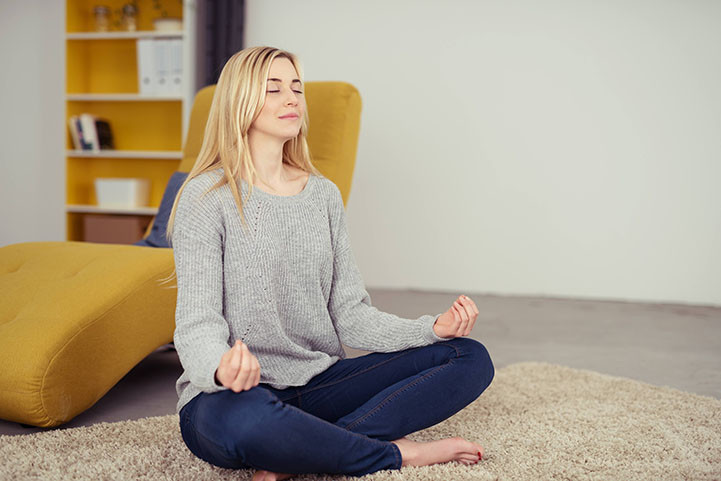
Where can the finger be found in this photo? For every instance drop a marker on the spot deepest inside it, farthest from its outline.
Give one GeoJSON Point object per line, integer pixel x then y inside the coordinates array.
{"type": "Point", "coordinates": [257, 374]}
{"type": "Point", "coordinates": [473, 304]}
{"type": "Point", "coordinates": [462, 310]}
{"type": "Point", "coordinates": [227, 355]}
{"type": "Point", "coordinates": [456, 316]}
{"type": "Point", "coordinates": [460, 326]}
{"type": "Point", "coordinates": [254, 370]}
{"type": "Point", "coordinates": [246, 373]}
{"type": "Point", "coordinates": [471, 316]}
{"type": "Point", "coordinates": [255, 378]}
{"type": "Point", "coordinates": [249, 369]}
{"type": "Point", "coordinates": [236, 384]}
{"type": "Point", "coordinates": [228, 366]}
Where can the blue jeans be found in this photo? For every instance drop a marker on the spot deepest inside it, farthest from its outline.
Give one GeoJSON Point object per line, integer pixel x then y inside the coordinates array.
{"type": "Point", "coordinates": [343, 419]}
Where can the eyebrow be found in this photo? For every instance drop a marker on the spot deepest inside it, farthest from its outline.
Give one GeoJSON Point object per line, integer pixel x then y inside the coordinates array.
{"type": "Point", "coordinates": [279, 80]}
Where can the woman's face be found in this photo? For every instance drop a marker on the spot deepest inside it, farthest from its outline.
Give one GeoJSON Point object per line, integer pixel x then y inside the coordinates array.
{"type": "Point", "coordinates": [282, 113]}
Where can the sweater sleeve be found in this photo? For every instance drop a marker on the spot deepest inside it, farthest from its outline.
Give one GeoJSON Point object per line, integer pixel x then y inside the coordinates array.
{"type": "Point", "coordinates": [358, 323]}
{"type": "Point", "coordinates": [201, 331]}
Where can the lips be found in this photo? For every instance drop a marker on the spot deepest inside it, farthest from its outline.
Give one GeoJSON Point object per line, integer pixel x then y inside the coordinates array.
{"type": "Point", "coordinates": [289, 116]}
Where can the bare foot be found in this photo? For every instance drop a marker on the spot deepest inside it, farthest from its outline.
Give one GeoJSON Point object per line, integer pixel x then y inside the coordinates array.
{"type": "Point", "coordinates": [441, 451]}
{"type": "Point", "coordinates": [269, 476]}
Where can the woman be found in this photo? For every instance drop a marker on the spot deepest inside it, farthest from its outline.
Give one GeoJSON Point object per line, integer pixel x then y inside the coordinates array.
{"type": "Point", "coordinates": [268, 289]}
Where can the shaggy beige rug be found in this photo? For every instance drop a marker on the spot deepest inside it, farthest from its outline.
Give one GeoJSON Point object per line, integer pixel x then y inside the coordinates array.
{"type": "Point", "coordinates": [536, 421]}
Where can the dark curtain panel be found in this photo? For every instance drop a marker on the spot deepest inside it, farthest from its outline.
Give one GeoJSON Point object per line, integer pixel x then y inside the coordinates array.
{"type": "Point", "coordinates": [220, 36]}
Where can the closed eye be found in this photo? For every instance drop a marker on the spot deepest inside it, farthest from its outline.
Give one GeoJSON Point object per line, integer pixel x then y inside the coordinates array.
{"type": "Point", "coordinates": [276, 91]}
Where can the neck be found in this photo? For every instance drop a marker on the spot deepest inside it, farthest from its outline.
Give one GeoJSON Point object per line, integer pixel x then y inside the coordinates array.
{"type": "Point", "coordinates": [267, 155]}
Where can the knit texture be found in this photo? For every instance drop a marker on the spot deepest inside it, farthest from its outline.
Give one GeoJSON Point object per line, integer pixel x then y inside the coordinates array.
{"type": "Point", "coordinates": [287, 286]}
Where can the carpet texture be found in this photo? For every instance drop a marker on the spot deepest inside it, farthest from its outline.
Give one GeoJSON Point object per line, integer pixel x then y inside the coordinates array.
{"type": "Point", "coordinates": [535, 421]}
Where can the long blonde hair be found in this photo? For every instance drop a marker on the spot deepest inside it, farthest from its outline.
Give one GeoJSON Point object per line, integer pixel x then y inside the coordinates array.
{"type": "Point", "coordinates": [238, 99]}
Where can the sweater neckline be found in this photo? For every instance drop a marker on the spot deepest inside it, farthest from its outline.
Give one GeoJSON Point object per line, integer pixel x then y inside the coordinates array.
{"type": "Point", "coordinates": [282, 199]}
{"type": "Point", "coordinates": [277, 199]}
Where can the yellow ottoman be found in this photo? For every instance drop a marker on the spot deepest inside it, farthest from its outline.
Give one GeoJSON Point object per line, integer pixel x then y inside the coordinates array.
{"type": "Point", "coordinates": [75, 317]}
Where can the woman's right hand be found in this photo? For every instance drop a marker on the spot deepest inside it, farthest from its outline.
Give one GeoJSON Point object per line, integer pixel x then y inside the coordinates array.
{"type": "Point", "coordinates": [239, 369]}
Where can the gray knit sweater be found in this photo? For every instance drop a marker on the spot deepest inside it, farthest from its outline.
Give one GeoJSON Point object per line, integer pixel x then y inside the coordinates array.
{"type": "Point", "coordinates": [288, 287]}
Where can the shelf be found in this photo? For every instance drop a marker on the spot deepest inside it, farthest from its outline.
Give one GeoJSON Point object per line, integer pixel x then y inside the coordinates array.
{"type": "Point", "coordinates": [122, 98]}
{"type": "Point", "coordinates": [94, 209]}
{"type": "Point", "coordinates": [126, 154]}
{"type": "Point", "coordinates": [122, 35]}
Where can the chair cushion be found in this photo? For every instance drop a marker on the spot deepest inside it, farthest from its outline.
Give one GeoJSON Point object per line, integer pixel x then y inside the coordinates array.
{"type": "Point", "coordinates": [75, 317]}
{"type": "Point", "coordinates": [157, 238]}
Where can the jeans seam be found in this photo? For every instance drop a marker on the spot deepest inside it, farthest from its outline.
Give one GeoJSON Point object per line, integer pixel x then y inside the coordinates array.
{"type": "Point", "coordinates": [395, 394]}
{"type": "Point", "coordinates": [398, 455]}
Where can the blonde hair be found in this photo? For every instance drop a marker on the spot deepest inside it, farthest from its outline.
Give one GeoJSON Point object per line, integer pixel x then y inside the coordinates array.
{"type": "Point", "coordinates": [238, 99]}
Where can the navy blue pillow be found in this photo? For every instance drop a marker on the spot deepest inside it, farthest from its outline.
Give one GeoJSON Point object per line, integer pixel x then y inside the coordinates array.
{"type": "Point", "coordinates": [156, 238]}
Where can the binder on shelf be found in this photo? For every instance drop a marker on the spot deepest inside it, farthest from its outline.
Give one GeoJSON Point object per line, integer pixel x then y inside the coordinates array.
{"type": "Point", "coordinates": [162, 66]}
{"type": "Point", "coordinates": [176, 66]}
{"type": "Point", "coordinates": [146, 66]}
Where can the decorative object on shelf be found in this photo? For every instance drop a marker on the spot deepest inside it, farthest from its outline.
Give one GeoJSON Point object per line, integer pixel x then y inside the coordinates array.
{"type": "Point", "coordinates": [129, 17]}
{"type": "Point", "coordinates": [102, 18]}
{"type": "Point", "coordinates": [90, 132]}
{"type": "Point", "coordinates": [157, 238]}
{"type": "Point", "coordinates": [125, 193]}
{"type": "Point", "coordinates": [168, 24]}
{"type": "Point", "coordinates": [164, 23]}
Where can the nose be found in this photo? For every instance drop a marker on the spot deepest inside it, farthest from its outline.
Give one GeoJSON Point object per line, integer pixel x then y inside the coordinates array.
{"type": "Point", "coordinates": [290, 98]}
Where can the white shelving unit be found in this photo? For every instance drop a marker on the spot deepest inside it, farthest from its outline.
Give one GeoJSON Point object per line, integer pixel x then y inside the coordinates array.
{"type": "Point", "coordinates": [188, 36]}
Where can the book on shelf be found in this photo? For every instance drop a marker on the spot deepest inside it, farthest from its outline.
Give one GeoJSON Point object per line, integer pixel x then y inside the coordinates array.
{"type": "Point", "coordinates": [160, 66]}
{"type": "Point", "coordinates": [90, 132]}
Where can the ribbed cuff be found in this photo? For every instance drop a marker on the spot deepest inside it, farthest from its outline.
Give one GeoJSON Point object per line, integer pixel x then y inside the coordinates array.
{"type": "Point", "coordinates": [429, 334]}
{"type": "Point", "coordinates": [209, 384]}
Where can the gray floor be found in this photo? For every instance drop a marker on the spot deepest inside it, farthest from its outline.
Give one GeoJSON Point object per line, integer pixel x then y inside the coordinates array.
{"type": "Point", "coordinates": [662, 344]}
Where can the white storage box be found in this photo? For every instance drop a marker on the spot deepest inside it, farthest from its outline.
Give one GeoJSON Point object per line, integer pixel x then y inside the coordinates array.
{"type": "Point", "coordinates": [122, 192]}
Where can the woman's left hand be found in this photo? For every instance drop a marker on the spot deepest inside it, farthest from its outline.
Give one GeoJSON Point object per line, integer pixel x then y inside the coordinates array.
{"type": "Point", "coordinates": [458, 320]}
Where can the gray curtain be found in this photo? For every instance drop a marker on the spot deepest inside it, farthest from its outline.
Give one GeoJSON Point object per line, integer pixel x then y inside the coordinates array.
{"type": "Point", "coordinates": [220, 36]}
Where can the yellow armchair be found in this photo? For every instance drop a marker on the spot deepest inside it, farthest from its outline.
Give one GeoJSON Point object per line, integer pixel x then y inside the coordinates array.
{"type": "Point", "coordinates": [75, 317]}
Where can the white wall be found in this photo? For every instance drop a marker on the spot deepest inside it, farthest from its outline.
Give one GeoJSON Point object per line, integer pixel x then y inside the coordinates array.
{"type": "Point", "coordinates": [560, 148]}
{"type": "Point", "coordinates": [32, 116]}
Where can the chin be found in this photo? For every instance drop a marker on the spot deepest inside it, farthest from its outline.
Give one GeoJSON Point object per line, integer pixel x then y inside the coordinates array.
{"type": "Point", "coordinates": [288, 137]}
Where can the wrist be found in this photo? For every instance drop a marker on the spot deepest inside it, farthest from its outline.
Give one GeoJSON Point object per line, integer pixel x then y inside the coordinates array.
{"type": "Point", "coordinates": [434, 327]}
